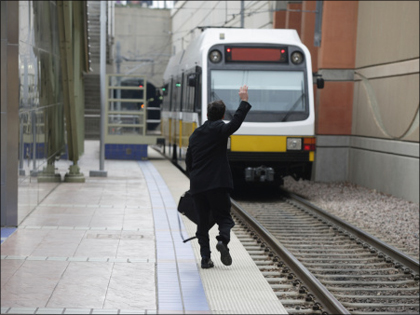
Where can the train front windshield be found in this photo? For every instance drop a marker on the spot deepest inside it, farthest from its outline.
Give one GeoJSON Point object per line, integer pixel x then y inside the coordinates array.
{"type": "Point", "coordinates": [275, 96]}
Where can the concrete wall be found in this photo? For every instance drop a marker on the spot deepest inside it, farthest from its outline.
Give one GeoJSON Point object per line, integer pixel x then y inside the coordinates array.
{"type": "Point", "coordinates": [366, 114]}
{"type": "Point", "coordinates": [391, 167]}
{"type": "Point", "coordinates": [144, 35]}
{"type": "Point", "coordinates": [331, 158]}
{"type": "Point", "coordinates": [384, 152]}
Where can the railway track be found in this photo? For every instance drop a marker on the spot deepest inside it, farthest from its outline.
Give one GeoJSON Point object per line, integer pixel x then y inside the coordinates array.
{"type": "Point", "coordinates": [319, 264]}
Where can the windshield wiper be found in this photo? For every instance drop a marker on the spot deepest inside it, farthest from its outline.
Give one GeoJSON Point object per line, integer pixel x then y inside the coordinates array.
{"type": "Point", "coordinates": [294, 105]}
{"type": "Point", "coordinates": [292, 108]}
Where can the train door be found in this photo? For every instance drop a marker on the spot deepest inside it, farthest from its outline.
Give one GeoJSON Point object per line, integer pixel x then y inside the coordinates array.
{"type": "Point", "coordinates": [191, 109]}
{"type": "Point", "coordinates": [190, 96]}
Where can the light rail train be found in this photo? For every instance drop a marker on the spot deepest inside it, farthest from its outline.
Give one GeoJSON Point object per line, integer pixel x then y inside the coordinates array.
{"type": "Point", "coordinates": [277, 138]}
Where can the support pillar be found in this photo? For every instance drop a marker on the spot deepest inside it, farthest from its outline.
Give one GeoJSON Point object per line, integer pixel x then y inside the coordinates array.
{"type": "Point", "coordinates": [48, 175]}
{"type": "Point", "coordinates": [74, 175]}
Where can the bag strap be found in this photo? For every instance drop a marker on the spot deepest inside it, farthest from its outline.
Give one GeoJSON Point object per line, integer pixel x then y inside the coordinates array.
{"type": "Point", "coordinates": [180, 231]}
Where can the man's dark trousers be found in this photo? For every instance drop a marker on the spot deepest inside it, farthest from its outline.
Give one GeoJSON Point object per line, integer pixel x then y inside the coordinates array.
{"type": "Point", "coordinates": [216, 201]}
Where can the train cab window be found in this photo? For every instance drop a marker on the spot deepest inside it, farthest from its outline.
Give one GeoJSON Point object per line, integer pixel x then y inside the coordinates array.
{"type": "Point", "coordinates": [276, 95]}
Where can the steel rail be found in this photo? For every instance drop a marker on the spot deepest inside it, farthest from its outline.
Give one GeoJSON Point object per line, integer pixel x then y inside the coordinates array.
{"type": "Point", "coordinates": [383, 247]}
{"type": "Point", "coordinates": [331, 304]}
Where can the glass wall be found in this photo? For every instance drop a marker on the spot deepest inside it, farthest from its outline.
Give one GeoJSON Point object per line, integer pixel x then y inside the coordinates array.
{"type": "Point", "coordinates": [41, 111]}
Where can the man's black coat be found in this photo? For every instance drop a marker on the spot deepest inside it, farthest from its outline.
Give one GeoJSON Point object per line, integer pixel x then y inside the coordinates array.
{"type": "Point", "coordinates": [206, 159]}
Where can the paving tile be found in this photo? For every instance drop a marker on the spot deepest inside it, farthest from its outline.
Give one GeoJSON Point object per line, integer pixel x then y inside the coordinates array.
{"type": "Point", "coordinates": [132, 311]}
{"type": "Point", "coordinates": [78, 259]}
{"type": "Point", "coordinates": [22, 310]}
{"type": "Point", "coordinates": [79, 295]}
{"type": "Point", "coordinates": [45, 310]}
{"type": "Point", "coordinates": [101, 259]}
{"type": "Point", "coordinates": [57, 258]}
{"type": "Point", "coordinates": [18, 257]}
{"type": "Point", "coordinates": [77, 311]}
{"type": "Point", "coordinates": [106, 275]}
{"type": "Point", "coordinates": [170, 306]}
{"type": "Point", "coordinates": [97, 248]}
{"type": "Point", "coordinates": [105, 311]}
{"type": "Point", "coordinates": [8, 269]}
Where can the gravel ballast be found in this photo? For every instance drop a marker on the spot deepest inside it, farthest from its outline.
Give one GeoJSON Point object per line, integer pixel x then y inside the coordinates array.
{"type": "Point", "coordinates": [389, 218]}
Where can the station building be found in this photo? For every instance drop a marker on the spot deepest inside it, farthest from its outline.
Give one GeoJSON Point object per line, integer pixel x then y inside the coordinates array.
{"type": "Point", "coordinates": [112, 245]}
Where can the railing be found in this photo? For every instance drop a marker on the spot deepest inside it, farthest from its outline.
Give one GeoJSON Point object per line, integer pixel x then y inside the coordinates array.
{"type": "Point", "coordinates": [127, 111]}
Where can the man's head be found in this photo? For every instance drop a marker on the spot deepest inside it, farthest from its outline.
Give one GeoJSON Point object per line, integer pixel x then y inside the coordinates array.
{"type": "Point", "coordinates": [216, 110]}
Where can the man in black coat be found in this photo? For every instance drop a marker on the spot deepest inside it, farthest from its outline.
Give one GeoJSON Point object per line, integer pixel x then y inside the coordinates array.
{"type": "Point", "coordinates": [210, 175]}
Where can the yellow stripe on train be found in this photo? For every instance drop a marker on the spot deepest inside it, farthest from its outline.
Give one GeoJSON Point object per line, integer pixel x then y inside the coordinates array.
{"type": "Point", "coordinates": [262, 144]}
{"type": "Point", "coordinates": [258, 143]}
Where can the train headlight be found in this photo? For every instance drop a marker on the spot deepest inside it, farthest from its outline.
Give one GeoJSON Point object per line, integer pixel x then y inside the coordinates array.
{"type": "Point", "coordinates": [294, 144]}
{"type": "Point", "coordinates": [297, 57]}
{"type": "Point", "coordinates": [215, 56]}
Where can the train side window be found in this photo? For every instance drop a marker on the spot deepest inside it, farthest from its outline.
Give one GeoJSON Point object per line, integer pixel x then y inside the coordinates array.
{"type": "Point", "coordinates": [166, 93]}
{"type": "Point", "coordinates": [165, 90]}
{"type": "Point", "coordinates": [192, 80]}
{"type": "Point", "coordinates": [181, 92]}
{"type": "Point", "coordinates": [197, 94]}
{"type": "Point", "coordinates": [174, 94]}
{"type": "Point", "coordinates": [189, 92]}
{"type": "Point", "coordinates": [185, 94]}
{"type": "Point", "coordinates": [166, 99]}
{"type": "Point", "coordinates": [177, 93]}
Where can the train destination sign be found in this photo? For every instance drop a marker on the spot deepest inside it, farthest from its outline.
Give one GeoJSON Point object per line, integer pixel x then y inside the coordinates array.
{"type": "Point", "coordinates": [256, 54]}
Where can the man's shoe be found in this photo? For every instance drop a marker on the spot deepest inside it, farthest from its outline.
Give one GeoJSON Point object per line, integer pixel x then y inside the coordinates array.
{"type": "Point", "coordinates": [224, 253]}
{"type": "Point", "coordinates": [206, 263]}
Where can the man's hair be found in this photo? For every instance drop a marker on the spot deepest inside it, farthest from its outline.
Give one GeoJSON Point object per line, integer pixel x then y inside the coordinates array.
{"type": "Point", "coordinates": [216, 110]}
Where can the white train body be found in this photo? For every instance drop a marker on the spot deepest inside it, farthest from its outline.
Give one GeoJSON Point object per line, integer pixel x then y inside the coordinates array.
{"type": "Point", "coordinates": [277, 138]}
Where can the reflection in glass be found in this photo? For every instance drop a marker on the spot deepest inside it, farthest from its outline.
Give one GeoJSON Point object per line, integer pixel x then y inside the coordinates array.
{"type": "Point", "coordinates": [119, 130]}
{"type": "Point", "coordinates": [41, 115]}
{"type": "Point", "coordinates": [125, 81]}
{"type": "Point", "coordinates": [29, 96]}
{"type": "Point", "coordinates": [125, 119]}
{"type": "Point", "coordinates": [125, 106]}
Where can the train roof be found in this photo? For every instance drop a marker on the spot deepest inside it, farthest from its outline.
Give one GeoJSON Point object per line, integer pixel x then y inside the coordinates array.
{"type": "Point", "coordinates": [192, 56]}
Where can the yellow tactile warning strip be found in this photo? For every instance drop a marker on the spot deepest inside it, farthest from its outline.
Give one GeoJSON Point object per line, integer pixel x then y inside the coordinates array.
{"type": "Point", "coordinates": [236, 289]}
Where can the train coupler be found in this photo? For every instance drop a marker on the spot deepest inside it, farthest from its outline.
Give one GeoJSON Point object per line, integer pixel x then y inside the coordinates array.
{"type": "Point", "coordinates": [261, 174]}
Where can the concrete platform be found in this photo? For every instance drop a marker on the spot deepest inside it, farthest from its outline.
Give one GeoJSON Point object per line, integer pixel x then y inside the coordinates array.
{"type": "Point", "coordinates": [111, 245]}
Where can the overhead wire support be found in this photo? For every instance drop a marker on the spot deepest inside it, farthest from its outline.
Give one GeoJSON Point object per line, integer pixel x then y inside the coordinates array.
{"type": "Point", "coordinates": [242, 14]}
